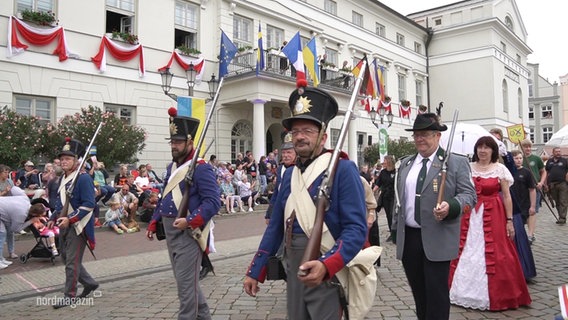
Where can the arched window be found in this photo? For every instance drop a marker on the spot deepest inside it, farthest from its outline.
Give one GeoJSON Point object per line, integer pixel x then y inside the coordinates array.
{"type": "Point", "coordinates": [505, 96]}
{"type": "Point", "coordinates": [509, 22]}
{"type": "Point", "coordinates": [520, 102]}
{"type": "Point", "coordinates": [241, 138]}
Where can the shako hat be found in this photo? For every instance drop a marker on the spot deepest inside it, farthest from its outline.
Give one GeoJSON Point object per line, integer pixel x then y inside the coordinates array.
{"type": "Point", "coordinates": [311, 104]}
{"type": "Point", "coordinates": [181, 127]}
{"type": "Point", "coordinates": [72, 147]}
{"type": "Point", "coordinates": [427, 121]}
{"type": "Point", "coordinates": [286, 141]}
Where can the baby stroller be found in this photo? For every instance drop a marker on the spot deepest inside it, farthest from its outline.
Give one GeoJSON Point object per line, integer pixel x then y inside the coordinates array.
{"type": "Point", "coordinates": [41, 248]}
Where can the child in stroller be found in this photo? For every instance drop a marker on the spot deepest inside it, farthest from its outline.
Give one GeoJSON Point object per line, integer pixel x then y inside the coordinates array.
{"type": "Point", "coordinates": [38, 215]}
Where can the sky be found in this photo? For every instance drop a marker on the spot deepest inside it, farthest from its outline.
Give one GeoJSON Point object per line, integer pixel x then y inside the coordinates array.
{"type": "Point", "coordinates": [543, 24]}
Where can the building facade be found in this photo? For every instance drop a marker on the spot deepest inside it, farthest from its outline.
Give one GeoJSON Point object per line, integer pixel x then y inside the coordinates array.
{"type": "Point", "coordinates": [471, 55]}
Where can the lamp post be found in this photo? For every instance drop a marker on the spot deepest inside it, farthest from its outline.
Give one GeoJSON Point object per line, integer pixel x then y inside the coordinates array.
{"type": "Point", "coordinates": [373, 116]}
{"type": "Point", "coordinates": [190, 74]}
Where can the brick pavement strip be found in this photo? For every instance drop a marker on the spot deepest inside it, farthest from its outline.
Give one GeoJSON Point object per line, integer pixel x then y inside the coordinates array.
{"type": "Point", "coordinates": [152, 294]}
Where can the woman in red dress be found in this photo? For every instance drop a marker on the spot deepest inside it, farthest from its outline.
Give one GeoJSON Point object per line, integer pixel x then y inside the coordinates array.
{"type": "Point", "coordinates": [487, 274]}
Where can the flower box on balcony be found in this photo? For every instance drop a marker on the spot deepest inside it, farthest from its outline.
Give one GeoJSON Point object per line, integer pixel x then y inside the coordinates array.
{"type": "Point", "coordinates": [124, 37]}
{"type": "Point", "coordinates": [44, 19]}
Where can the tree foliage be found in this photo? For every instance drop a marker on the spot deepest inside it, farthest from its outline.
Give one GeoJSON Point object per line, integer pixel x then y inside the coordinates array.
{"type": "Point", "coordinates": [397, 148]}
{"type": "Point", "coordinates": [29, 138]}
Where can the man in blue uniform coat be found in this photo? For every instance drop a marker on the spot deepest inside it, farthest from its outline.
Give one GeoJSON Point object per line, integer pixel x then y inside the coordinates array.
{"type": "Point", "coordinates": [315, 295]}
{"type": "Point", "coordinates": [77, 228]}
{"type": "Point", "coordinates": [184, 250]}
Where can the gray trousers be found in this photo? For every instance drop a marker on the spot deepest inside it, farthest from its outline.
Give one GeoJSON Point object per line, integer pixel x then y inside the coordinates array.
{"type": "Point", "coordinates": [185, 257]}
{"type": "Point", "coordinates": [321, 302]}
{"type": "Point", "coordinates": [72, 248]}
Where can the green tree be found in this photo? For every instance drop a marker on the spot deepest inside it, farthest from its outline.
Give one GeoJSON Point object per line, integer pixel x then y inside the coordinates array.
{"type": "Point", "coordinates": [397, 148]}
{"type": "Point", "coordinates": [117, 142]}
{"type": "Point", "coordinates": [20, 137]}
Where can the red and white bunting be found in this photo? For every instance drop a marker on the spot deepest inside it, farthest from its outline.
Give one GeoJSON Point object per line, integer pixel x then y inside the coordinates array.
{"type": "Point", "coordinates": [119, 52]}
{"type": "Point", "coordinates": [184, 62]}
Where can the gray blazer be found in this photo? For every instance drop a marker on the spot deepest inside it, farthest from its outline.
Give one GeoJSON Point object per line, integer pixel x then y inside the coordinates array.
{"type": "Point", "coordinates": [440, 238]}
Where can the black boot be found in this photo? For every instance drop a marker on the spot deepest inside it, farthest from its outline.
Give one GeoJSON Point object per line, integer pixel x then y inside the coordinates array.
{"type": "Point", "coordinates": [203, 273]}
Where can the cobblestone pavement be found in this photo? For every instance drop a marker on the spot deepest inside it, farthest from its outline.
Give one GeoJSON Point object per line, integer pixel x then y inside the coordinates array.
{"type": "Point", "coordinates": [150, 292]}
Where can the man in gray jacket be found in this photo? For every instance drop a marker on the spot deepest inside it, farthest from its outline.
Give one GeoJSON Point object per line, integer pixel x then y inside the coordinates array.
{"type": "Point", "coordinates": [427, 234]}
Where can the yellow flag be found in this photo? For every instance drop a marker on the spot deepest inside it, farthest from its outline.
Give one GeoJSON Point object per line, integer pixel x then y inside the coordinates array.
{"type": "Point", "coordinates": [516, 133]}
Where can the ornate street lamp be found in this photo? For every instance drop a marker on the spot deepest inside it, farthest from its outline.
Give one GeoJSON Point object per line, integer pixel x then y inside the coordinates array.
{"type": "Point", "coordinates": [373, 116]}
{"type": "Point", "coordinates": [190, 74]}
{"type": "Point", "coordinates": [213, 86]}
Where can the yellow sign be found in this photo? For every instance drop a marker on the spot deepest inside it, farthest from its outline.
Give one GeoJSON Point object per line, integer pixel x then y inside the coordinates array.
{"type": "Point", "coordinates": [516, 133]}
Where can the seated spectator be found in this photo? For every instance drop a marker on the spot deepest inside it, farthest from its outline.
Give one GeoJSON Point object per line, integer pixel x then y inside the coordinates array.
{"type": "Point", "coordinates": [132, 187]}
{"type": "Point", "coordinates": [113, 217]}
{"type": "Point", "coordinates": [158, 183]}
{"type": "Point", "coordinates": [238, 174]}
{"type": "Point", "coordinates": [99, 175]}
{"type": "Point", "coordinates": [222, 171]}
{"type": "Point", "coordinates": [29, 181]}
{"type": "Point", "coordinates": [122, 177]}
{"type": "Point", "coordinates": [148, 207]}
{"type": "Point", "coordinates": [47, 174]}
{"type": "Point", "coordinates": [128, 201]}
{"type": "Point", "coordinates": [246, 192]}
{"type": "Point", "coordinates": [229, 195]}
{"type": "Point", "coordinates": [38, 216]}
{"type": "Point", "coordinates": [142, 181]}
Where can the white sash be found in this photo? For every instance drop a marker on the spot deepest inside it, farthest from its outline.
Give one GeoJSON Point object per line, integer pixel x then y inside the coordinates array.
{"type": "Point", "coordinates": [79, 225]}
{"type": "Point", "coordinates": [177, 176]}
{"type": "Point", "coordinates": [359, 278]}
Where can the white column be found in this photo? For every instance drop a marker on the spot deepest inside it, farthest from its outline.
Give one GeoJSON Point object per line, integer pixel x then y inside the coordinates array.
{"type": "Point", "coordinates": [352, 140]}
{"type": "Point", "coordinates": [258, 135]}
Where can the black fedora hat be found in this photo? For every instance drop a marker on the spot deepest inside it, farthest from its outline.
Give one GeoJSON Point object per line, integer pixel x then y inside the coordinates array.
{"type": "Point", "coordinates": [427, 121]}
{"type": "Point", "coordinates": [72, 147]}
{"type": "Point", "coordinates": [311, 104]}
{"type": "Point", "coordinates": [182, 128]}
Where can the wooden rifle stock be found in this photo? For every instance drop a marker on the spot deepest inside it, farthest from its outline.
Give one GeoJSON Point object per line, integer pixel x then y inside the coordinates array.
{"type": "Point", "coordinates": [445, 163]}
{"type": "Point", "coordinates": [313, 248]}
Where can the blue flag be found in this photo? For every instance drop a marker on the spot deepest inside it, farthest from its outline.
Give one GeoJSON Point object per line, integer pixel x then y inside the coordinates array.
{"type": "Point", "coordinates": [259, 52]}
{"type": "Point", "coordinates": [228, 51]}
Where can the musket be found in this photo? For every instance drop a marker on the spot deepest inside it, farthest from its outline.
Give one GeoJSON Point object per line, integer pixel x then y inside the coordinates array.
{"type": "Point", "coordinates": [312, 251]}
{"type": "Point", "coordinates": [182, 211]}
{"type": "Point", "coordinates": [446, 158]}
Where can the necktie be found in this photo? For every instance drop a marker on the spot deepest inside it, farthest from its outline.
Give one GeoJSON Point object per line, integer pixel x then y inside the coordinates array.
{"type": "Point", "coordinates": [419, 184]}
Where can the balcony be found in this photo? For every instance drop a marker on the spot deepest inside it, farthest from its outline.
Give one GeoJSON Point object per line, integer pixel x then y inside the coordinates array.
{"type": "Point", "coordinates": [277, 66]}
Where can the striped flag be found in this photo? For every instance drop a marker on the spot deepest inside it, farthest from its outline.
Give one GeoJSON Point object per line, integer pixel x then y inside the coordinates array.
{"type": "Point", "coordinates": [293, 51]}
{"type": "Point", "coordinates": [310, 54]}
{"type": "Point", "coordinates": [367, 85]}
{"type": "Point", "coordinates": [259, 52]}
{"type": "Point", "coordinates": [192, 107]}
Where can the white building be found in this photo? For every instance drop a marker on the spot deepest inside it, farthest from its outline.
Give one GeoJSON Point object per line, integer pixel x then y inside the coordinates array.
{"type": "Point", "coordinates": [545, 109]}
{"type": "Point", "coordinates": [471, 55]}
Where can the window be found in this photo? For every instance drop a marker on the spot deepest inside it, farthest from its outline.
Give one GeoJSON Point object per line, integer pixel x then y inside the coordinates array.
{"type": "Point", "coordinates": [186, 24]}
{"type": "Point", "coordinates": [241, 138]}
{"type": "Point", "coordinates": [419, 86]}
{"type": "Point", "coordinates": [546, 112]}
{"type": "Point", "coordinates": [531, 113]}
{"type": "Point", "coordinates": [438, 21]}
{"type": "Point", "coordinates": [274, 39]}
{"type": "Point", "coordinates": [503, 47]}
{"type": "Point", "coordinates": [417, 47]}
{"type": "Point", "coordinates": [546, 134]}
{"type": "Point", "coordinates": [334, 136]}
{"type": "Point", "coordinates": [242, 37]}
{"type": "Point", "coordinates": [531, 133]}
{"type": "Point", "coordinates": [380, 30]}
{"type": "Point", "coordinates": [400, 39]}
{"type": "Point", "coordinates": [505, 92]}
{"type": "Point", "coordinates": [331, 56]}
{"type": "Point", "coordinates": [187, 15]}
{"type": "Point", "coordinates": [509, 22]}
{"type": "Point", "coordinates": [357, 19]}
{"type": "Point", "coordinates": [520, 102]}
{"type": "Point", "coordinates": [401, 87]}
{"type": "Point", "coordinates": [120, 16]}
{"type": "Point", "coordinates": [330, 6]}
{"type": "Point", "coordinates": [35, 5]}
{"type": "Point", "coordinates": [126, 113]}
{"type": "Point", "coordinates": [41, 107]}
{"type": "Point", "coordinates": [529, 80]}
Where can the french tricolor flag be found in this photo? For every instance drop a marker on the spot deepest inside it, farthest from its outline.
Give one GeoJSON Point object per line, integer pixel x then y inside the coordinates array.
{"type": "Point", "coordinates": [293, 51]}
